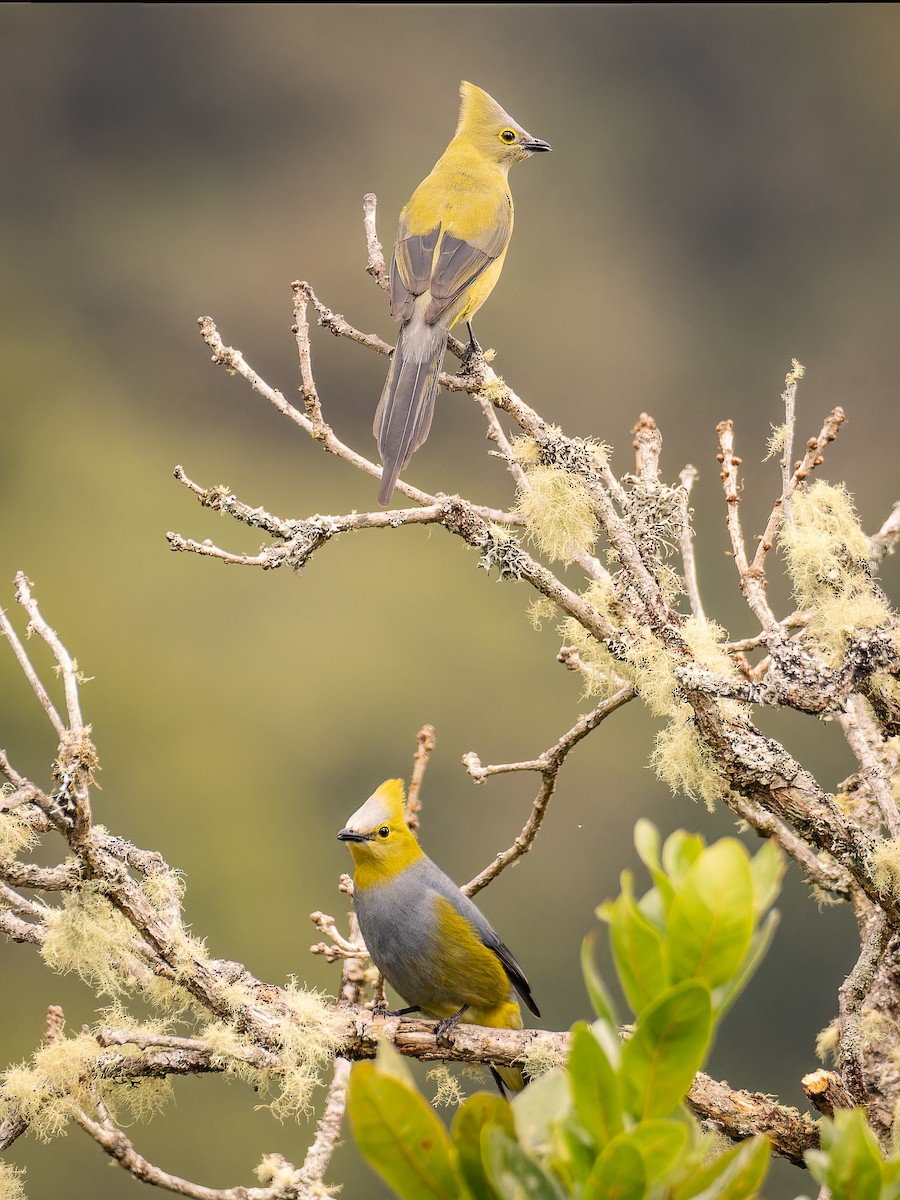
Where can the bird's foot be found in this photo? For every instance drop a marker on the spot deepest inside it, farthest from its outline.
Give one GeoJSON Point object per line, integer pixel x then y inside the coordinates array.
{"type": "Point", "coordinates": [402, 1012]}
{"type": "Point", "coordinates": [473, 359]}
{"type": "Point", "coordinates": [444, 1028]}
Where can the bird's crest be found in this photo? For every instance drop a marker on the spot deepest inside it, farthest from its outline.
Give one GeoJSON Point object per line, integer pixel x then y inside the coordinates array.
{"type": "Point", "coordinates": [384, 806]}
{"type": "Point", "coordinates": [479, 111]}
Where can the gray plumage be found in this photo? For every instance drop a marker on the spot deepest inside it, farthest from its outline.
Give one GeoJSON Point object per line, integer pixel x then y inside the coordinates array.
{"type": "Point", "coordinates": [399, 923]}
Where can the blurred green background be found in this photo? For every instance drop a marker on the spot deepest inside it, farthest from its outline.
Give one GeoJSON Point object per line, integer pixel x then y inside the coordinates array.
{"type": "Point", "coordinates": [722, 195]}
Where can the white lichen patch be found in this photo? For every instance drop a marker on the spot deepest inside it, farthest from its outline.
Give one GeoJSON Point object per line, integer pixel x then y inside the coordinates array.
{"type": "Point", "coordinates": [447, 1089]}
{"type": "Point", "coordinates": [558, 513]}
{"type": "Point", "coordinates": [90, 937]}
{"type": "Point", "coordinates": [885, 866]}
{"type": "Point", "coordinates": [16, 833]}
{"type": "Point", "coordinates": [57, 1079]}
{"type": "Point", "coordinates": [308, 1038]}
{"type": "Point", "coordinates": [827, 556]}
{"type": "Point", "coordinates": [12, 1180]}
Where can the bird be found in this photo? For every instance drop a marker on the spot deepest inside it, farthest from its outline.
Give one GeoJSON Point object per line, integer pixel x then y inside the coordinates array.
{"type": "Point", "coordinates": [430, 942]}
{"type": "Point", "coordinates": [449, 252]}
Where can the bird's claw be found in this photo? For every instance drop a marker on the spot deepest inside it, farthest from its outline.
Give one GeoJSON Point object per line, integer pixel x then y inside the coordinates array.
{"type": "Point", "coordinates": [472, 360]}
{"type": "Point", "coordinates": [444, 1028]}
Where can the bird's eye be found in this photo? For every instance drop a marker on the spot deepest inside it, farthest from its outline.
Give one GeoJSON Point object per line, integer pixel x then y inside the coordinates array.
{"type": "Point", "coordinates": [507, 135]}
{"type": "Point", "coordinates": [383, 831]}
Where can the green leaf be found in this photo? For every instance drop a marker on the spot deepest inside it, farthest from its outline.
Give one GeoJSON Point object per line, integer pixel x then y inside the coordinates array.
{"type": "Point", "coordinates": [661, 1144]}
{"type": "Point", "coordinates": [647, 844]}
{"type": "Point", "coordinates": [389, 1061]}
{"type": "Point", "coordinates": [401, 1137]}
{"type": "Point", "coordinates": [617, 1175]}
{"type": "Point", "coordinates": [638, 949]}
{"type": "Point", "coordinates": [711, 918]}
{"type": "Point", "coordinates": [890, 1186]}
{"type": "Point", "coordinates": [576, 1151]}
{"type": "Point", "coordinates": [680, 850]}
{"type": "Point", "coordinates": [595, 1088]}
{"type": "Point", "coordinates": [849, 1162]}
{"type": "Point", "coordinates": [668, 1047]}
{"type": "Point", "coordinates": [735, 1175]}
{"type": "Point", "coordinates": [724, 997]}
{"type": "Point", "coordinates": [767, 868]}
{"type": "Point", "coordinates": [596, 988]}
{"type": "Point", "coordinates": [538, 1108]}
{"type": "Point", "coordinates": [479, 1111]}
{"type": "Point", "coordinates": [514, 1174]}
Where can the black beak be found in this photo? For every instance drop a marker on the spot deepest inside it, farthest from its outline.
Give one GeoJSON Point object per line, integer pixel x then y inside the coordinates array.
{"type": "Point", "coordinates": [537, 144]}
{"type": "Point", "coordinates": [347, 835]}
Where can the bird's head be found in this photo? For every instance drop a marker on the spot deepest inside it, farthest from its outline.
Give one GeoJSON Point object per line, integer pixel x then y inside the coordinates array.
{"type": "Point", "coordinates": [492, 130]}
{"type": "Point", "coordinates": [377, 834]}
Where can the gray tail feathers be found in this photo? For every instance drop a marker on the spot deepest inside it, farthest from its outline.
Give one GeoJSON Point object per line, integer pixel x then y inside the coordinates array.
{"type": "Point", "coordinates": [403, 416]}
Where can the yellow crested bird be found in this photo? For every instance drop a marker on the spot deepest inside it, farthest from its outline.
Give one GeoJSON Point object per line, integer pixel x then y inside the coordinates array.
{"type": "Point", "coordinates": [450, 247]}
{"type": "Point", "coordinates": [430, 942]}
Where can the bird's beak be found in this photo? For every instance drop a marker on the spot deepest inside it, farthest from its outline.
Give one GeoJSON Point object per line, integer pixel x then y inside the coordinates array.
{"type": "Point", "coordinates": [348, 835]}
{"type": "Point", "coordinates": [536, 144]}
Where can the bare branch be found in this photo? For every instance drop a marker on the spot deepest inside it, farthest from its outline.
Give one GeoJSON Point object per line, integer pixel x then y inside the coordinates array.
{"type": "Point", "coordinates": [67, 667]}
{"type": "Point", "coordinates": [548, 766]}
{"type": "Point", "coordinates": [425, 743]}
{"type": "Point", "coordinates": [812, 458]}
{"type": "Point", "coordinates": [31, 675]}
{"type": "Point", "coordinates": [752, 582]}
{"type": "Point", "coordinates": [865, 741]}
{"type": "Point", "coordinates": [328, 1129]}
{"type": "Point", "coordinates": [789, 397]}
{"type": "Point", "coordinates": [688, 478]}
{"type": "Point", "coordinates": [375, 265]}
{"type": "Point", "coordinates": [884, 542]}
{"type": "Point", "coordinates": [826, 1091]}
{"type": "Point", "coordinates": [851, 995]}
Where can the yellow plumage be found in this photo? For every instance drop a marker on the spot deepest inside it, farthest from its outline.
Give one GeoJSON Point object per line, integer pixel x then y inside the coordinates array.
{"type": "Point", "coordinates": [429, 940]}
{"type": "Point", "coordinates": [449, 253]}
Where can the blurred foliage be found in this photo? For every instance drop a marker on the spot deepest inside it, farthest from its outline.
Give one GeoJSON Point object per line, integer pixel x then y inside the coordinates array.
{"type": "Point", "coordinates": [722, 195]}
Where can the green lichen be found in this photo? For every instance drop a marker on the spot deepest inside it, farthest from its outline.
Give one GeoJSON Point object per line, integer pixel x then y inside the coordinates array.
{"type": "Point", "coordinates": [827, 556]}
{"type": "Point", "coordinates": [16, 832]}
{"type": "Point", "coordinates": [558, 513]}
{"type": "Point", "coordinates": [11, 1182]}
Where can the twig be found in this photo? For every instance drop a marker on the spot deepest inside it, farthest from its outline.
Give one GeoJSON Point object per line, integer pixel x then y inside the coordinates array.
{"type": "Point", "coordinates": [864, 740]}
{"type": "Point", "coordinates": [31, 675]}
{"type": "Point", "coordinates": [884, 542]}
{"type": "Point", "coordinates": [69, 673]}
{"type": "Point", "coordinates": [121, 1149]}
{"type": "Point", "coordinates": [425, 743]}
{"type": "Point", "coordinates": [688, 478]}
{"type": "Point", "coordinates": [375, 266]}
{"type": "Point", "coordinates": [827, 1092]}
{"type": "Point", "coordinates": [328, 1129]}
{"type": "Point", "coordinates": [300, 539]}
{"type": "Point", "coordinates": [548, 766]}
{"type": "Point", "coordinates": [341, 948]}
{"type": "Point", "coordinates": [824, 873]}
{"type": "Point", "coordinates": [18, 930]}
{"type": "Point", "coordinates": [647, 446]}
{"type": "Point", "coordinates": [752, 581]}
{"type": "Point", "coordinates": [789, 397]}
{"type": "Point", "coordinates": [812, 458]}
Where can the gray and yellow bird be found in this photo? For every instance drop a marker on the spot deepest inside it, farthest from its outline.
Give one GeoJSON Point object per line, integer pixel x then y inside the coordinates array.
{"type": "Point", "coordinates": [427, 938]}
{"type": "Point", "coordinates": [449, 253]}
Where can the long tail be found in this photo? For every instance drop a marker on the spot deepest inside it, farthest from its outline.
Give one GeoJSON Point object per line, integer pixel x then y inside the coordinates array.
{"type": "Point", "coordinates": [403, 416]}
{"type": "Point", "coordinates": [505, 1016]}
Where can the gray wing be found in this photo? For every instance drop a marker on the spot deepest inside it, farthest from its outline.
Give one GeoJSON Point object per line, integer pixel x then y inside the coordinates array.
{"type": "Point", "coordinates": [415, 268]}
{"type": "Point", "coordinates": [464, 906]}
